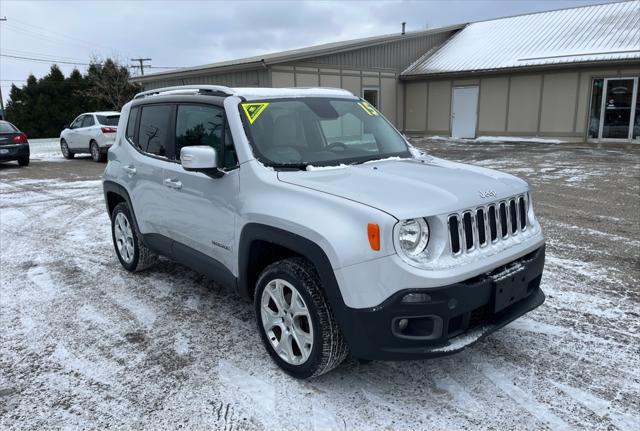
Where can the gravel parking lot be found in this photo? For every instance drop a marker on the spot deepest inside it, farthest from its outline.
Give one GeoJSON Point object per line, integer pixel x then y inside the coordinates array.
{"type": "Point", "coordinates": [84, 344]}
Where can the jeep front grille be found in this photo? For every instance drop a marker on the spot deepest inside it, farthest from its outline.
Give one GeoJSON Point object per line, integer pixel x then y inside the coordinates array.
{"type": "Point", "coordinates": [488, 224]}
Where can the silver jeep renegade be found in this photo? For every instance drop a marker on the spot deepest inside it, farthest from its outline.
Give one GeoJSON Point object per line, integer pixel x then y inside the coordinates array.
{"type": "Point", "coordinates": [310, 203]}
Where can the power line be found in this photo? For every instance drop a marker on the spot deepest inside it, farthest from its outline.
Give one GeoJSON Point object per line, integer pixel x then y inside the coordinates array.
{"type": "Point", "coordinates": [40, 55]}
{"type": "Point", "coordinates": [49, 34]}
{"type": "Point", "coordinates": [44, 60]}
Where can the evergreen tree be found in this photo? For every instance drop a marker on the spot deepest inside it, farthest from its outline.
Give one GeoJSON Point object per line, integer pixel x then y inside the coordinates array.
{"type": "Point", "coordinates": [42, 107]}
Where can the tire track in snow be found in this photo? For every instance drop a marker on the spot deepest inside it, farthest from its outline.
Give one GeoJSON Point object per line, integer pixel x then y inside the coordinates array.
{"type": "Point", "coordinates": [522, 398]}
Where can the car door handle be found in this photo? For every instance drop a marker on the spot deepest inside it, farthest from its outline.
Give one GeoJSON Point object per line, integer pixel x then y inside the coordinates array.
{"type": "Point", "coordinates": [174, 184]}
{"type": "Point", "coordinates": [131, 170]}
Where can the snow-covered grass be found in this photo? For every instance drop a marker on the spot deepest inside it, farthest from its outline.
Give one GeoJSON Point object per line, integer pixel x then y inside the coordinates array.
{"type": "Point", "coordinates": [499, 139]}
{"type": "Point", "coordinates": [85, 344]}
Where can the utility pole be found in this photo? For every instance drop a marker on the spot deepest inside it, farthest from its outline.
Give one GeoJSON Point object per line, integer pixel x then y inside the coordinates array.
{"type": "Point", "coordinates": [141, 61]}
{"type": "Point", "coordinates": [4, 18]}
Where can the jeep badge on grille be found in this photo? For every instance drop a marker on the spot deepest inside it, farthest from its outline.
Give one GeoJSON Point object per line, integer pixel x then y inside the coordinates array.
{"type": "Point", "coordinates": [487, 194]}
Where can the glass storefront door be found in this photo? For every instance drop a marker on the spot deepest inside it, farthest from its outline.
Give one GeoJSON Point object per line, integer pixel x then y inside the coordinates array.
{"type": "Point", "coordinates": [614, 109]}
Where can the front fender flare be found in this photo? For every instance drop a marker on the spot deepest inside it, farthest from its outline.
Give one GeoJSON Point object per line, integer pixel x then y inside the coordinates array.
{"type": "Point", "coordinates": [304, 247]}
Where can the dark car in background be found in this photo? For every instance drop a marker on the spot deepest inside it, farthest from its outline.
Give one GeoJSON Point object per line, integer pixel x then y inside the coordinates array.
{"type": "Point", "coordinates": [13, 144]}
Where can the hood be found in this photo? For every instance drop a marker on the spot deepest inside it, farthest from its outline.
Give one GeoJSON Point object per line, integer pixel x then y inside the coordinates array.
{"type": "Point", "coordinates": [407, 188]}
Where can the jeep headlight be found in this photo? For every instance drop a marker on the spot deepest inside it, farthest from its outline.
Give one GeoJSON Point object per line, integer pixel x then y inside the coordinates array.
{"type": "Point", "coordinates": [413, 237]}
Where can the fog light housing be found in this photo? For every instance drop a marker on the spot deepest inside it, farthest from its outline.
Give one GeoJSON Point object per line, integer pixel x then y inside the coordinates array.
{"type": "Point", "coordinates": [412, 298]}
{"type": "Point", "coordinates": [402, 324]}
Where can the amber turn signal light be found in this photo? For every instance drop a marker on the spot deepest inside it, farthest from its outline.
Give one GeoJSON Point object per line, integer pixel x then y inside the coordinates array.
{"type": "Point", "coordinates": [373, 231]}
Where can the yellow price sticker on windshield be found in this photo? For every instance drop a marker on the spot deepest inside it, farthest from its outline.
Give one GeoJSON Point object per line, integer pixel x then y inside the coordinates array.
{"type": "Point", "coordinates": [368, 108]}
{"type": "Point", "coordinates": [253, 110]}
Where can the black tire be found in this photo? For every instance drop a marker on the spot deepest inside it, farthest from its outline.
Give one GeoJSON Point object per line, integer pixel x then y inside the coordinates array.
{"type": "Point", "coordinates": [24, 161]}
{"type": "Point", "coordinates": [143, 257]}
{"type": "Point", "coordinates": [329, 347]}
{"type": "Point", "coordinates": [96, 154]}
{"type": "Point", "coordinates": [66, 152]}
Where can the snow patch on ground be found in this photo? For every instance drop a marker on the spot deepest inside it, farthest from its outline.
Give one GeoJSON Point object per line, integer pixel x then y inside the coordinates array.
{"type": "Point", "coordinates": [86, 345]}
{"type": "Point", "coordinates": [498, 140]}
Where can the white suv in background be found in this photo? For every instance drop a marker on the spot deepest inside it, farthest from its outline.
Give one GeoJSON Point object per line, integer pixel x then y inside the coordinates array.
{"type": "Point", "coordinates": [91, 132]}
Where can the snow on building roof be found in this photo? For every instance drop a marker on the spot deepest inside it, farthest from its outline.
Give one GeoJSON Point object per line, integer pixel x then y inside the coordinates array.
{"type": "Point", "coordinates": [605, 32]}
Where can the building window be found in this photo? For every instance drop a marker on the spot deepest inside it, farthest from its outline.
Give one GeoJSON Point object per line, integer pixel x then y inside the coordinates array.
{"type": "Point", "coordinates": [594, 111]}
{"type": "Point", "coordinates": [371, 96]}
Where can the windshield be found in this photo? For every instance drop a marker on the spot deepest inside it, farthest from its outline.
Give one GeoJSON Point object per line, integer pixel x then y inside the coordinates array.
{"type": "Point", "coordinates": [108, 120]}
{"type": "Point", "coordinates": [319, 131]}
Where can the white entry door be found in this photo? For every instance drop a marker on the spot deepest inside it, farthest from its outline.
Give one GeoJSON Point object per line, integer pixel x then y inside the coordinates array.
{"type": "Point", "coordinates": [464, 112]}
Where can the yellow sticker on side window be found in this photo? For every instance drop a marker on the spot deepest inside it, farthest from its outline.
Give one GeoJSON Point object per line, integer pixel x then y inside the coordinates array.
{"type": "Point", "coordinates": [253, 110]}
{"type": "Point", "coordinates": [368, 108]}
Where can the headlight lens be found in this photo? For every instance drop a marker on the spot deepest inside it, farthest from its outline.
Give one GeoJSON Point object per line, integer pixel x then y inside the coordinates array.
{"type": "Point", "coordinates": [413, 236]}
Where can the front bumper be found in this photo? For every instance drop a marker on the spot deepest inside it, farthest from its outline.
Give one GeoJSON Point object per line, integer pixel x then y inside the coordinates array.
{"type": "Point", "coordinates": [14, 152]}
{"type": "Point", "coordinates": [455, 317]}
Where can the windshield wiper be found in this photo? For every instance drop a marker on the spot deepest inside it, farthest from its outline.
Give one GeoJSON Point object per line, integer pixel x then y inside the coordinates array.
{"type": "Point", "coordinates": [295, 166]}
{"type": "Point", "coordinates": [368, 159]}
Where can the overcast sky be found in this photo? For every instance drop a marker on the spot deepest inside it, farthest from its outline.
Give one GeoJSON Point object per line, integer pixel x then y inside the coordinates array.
{"type": "Point", "coordinates": [189, 33]}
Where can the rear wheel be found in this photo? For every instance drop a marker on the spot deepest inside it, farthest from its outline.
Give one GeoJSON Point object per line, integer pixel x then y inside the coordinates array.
{"type": "Point", "coordinates": [96, 155]}
{"type": "Point", "coordinates": [131, 251]}
{"type": "Point", "coordinates": [66, 152]}
{"type": "Point", "coordinates": [295, 321]}
{"type": "Point", "coordinates": [24, 161]}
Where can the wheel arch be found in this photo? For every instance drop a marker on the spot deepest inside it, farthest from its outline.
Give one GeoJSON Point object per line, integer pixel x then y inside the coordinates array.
{"type": "Point", "coordinates": [114, 193]}
{"type": "Point", "coordinates": [258, 234]}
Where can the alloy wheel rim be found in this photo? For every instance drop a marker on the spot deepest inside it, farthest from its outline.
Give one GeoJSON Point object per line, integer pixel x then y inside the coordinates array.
{"type": "Point", "coordinates": [124, 237]}
{"type": "Point", "coordinates": [94, 151]}
{"type": "Point", "coordinates": [286, 321]}
{"type": "Point", "coordinates": [65, 149]}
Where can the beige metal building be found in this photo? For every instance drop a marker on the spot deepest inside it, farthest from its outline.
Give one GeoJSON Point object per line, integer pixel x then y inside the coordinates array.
{"type": "Point", "coordinates": [571, 74]}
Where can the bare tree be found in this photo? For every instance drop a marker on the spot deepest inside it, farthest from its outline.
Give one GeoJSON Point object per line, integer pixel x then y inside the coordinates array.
{"type": "Point", "coordinates": [109, 85]}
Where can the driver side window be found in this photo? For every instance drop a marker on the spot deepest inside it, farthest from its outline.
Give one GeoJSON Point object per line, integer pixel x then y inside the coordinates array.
{"type": "Point", "coordinates": [205, 125]}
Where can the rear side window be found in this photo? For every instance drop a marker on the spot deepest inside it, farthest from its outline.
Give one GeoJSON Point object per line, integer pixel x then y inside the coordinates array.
{"type": "Point", "coordinates": [204, 125]}
{"type": "Point", "coordinates": [88, 121]}
{"type": "Point", "coordinates": [108, 120]}
{"type": "Point", "coordinates": [131, 124]}
{"type": "Point", "coordinates": [153, 136]}
{"type": "Point", "coordinates": [7, 127]}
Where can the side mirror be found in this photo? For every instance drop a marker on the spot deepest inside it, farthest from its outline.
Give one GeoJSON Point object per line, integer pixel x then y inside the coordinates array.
{"type": "Point", "coordinates": [201, 158]}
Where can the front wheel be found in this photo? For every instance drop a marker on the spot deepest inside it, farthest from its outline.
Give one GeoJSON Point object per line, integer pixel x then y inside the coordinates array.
{"type": "Point", "coordinates": [66, 152]}
{"type": "Point", "coordinates": [132, 253]}
{"type": "Point", "coordinates": [296, 324]}
{"type": "Point", "coordinates": [24, 161]}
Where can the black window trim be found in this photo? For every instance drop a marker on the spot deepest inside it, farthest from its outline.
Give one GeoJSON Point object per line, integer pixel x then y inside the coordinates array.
{"type": "Point", "coordinates": [142, 103]}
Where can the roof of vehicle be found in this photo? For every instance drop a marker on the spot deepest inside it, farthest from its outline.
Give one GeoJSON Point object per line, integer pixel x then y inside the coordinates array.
{"type": "Point", "coordinates": [249, 93]}
{"type": "Point", "coordinates": [104, 113]}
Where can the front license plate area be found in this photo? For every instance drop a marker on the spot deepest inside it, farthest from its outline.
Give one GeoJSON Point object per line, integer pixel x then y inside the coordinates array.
{"type": "Point", "coordinates": [509, 288]}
